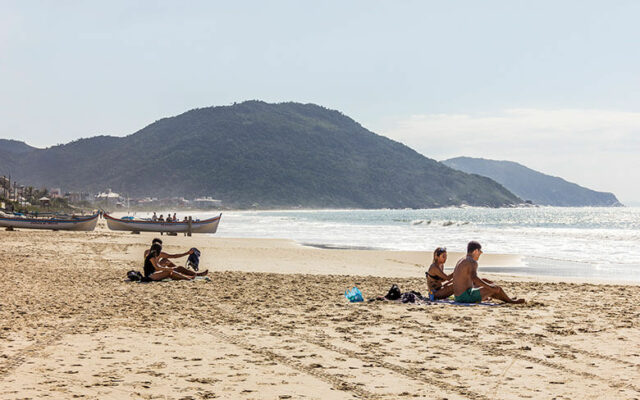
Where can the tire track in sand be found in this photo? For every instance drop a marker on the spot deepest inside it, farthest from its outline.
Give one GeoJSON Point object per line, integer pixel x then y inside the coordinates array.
{"type": "Point", "coordinates": [615, 384]}
{"type": "Point", "coordinates": [21, 356]}
{"type": "Point", "coordinates": [546, 342]}
{"type": "Point", "coordinates": [415, 374]}
{"type": "Point", "coordinates": [270, 355]}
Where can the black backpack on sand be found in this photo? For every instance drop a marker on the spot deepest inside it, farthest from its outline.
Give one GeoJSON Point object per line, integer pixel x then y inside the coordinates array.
{"type": "Point", "coordinates": [394, 293]}
{"type": "Point", "coordinates": [134, 276]}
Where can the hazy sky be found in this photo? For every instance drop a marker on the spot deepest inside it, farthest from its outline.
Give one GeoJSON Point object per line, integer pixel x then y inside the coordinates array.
{"type": "Point", "coordinates": [554, 85]}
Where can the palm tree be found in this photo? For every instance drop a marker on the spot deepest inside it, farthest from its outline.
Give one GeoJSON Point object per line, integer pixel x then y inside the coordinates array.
{"type": "Point", "coordinates": [28, 194]}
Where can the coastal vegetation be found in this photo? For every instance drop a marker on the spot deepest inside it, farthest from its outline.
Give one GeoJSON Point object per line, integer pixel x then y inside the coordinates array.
{"type": "Point", "coordinates": [256, 154]}
{"type": "Point", "coordinates": [30, 202]}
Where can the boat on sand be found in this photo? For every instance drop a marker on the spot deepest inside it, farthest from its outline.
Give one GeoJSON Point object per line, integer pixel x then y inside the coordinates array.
{"type": "Point", "coordinates": [54, 223]}
{"type": "Point", "coordinates": [135, 225]}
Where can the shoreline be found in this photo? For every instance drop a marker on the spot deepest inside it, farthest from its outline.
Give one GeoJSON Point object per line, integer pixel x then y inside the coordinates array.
{"type": "Point", "coordinates": [494, 265]}
{"type": "Point", "coordinates": [223, 210]}
{"type": "Point", "coordinates": [543, 251]}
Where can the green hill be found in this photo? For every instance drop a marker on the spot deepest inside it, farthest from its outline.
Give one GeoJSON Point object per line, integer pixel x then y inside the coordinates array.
{"type": "Point", "coordinates": [10, 151]}
{"type": "Point", "coordinates": [15, 146]}
{"type": "Point", "coordinates": [272, 155]}
{"type": "Point", "coordinates": [532, 185]}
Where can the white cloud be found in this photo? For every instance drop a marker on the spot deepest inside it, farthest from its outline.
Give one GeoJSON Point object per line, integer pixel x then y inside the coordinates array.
{"type": "Point", "coordinates": [594, 148]}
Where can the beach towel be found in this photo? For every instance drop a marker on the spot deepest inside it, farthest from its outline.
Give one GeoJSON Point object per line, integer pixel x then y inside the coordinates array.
{"type": "Point", "coordinates": [147, 280]}
{"type": "Point", "coordinates": [194, 259]}
{"type": "Point", "coordinates": [453, 302]}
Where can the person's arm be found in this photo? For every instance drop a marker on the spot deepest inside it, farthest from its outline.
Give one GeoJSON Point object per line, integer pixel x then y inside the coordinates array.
{"type": "Point", "coordinates": [158, 267]}
{"type": "Point", "coordinates": [449, 277]}
{"type": "Point", "coordinates": [166, 255]}
{"type": "Point", "coordinates": [154, 262]}
{"type": "Point", "coordinates": [435, 271]}
{"type": "Point", "coordinates": [477, 281]}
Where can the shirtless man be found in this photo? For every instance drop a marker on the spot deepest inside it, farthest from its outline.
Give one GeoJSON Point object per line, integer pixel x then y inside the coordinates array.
{"type": "Point", "coordinates": [468, 287]}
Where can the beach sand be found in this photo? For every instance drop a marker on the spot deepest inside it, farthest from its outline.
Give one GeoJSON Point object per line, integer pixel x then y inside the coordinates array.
{"type": "Point", "coordinates": [273, 324]}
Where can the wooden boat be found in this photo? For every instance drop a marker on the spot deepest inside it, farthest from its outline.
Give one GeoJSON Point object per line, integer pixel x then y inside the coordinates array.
{"type": "Point", "coordinates": [53, 223]}
{"type": "Point", "coordinates": [203, 226]}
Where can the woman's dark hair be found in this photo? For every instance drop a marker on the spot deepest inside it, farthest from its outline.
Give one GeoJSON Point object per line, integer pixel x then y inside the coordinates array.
{"type": "Point", "coordinates": [472, 246]}
{"type": "Point", "coordinates": [155, 250]}
{"type": "Point", "coordinates": [156, 240]}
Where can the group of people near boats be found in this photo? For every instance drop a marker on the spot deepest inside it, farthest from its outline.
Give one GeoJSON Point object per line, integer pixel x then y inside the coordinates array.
{"type": "Point", "coordinates": [463, 283]}
{"type": "Point", "coordinates": [169, 218]}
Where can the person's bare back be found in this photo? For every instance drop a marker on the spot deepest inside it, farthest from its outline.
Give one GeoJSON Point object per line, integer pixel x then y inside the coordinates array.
{"type": "Point", "coordinates": [462, 274]}
{"type": "Point", "coordinates": [468, 287]}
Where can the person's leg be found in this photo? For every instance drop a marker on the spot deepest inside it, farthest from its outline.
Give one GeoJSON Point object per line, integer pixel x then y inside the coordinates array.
{"type": "Point", "coordinates": [496, 292]}
{"type": "Point", "coordinates": [165, 262]}
{"type": "Point", "coordinates": [184, 271]}
{"type": "Point", "coordinates": [160, 275]}
{"type": "Point", "coordinates": [444, 292]}
{"type": "Point", "coordinates": [189, 272]}
{"type": "Point", "coordinates": [180, 277]}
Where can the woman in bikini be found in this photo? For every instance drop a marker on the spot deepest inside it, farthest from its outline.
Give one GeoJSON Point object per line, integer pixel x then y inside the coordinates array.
{"type": "Point", "coordinates": [437, 281]}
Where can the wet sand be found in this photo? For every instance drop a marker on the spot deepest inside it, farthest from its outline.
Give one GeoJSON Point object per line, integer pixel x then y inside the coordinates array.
{"type": "Point", "coordinates": [273, 324]}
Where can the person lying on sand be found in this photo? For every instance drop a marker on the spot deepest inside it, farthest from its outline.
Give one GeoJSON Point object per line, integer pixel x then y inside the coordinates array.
{"type": "Point", "coordinates": [468, 287]}
{"type": "Point", "coordinates": [437, 281]}
{"type": "Point", "coordinates": [163, 260]}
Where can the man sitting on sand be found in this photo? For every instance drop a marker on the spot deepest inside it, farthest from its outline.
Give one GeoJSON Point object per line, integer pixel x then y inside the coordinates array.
{"type": "Point", "coordinates": [468, 287]}
{"type": "Point", "coordinates": [164, 262]}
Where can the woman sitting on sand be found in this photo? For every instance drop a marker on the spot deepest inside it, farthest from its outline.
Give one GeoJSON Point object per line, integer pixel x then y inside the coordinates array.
{"type": "Point", "coordinates": [437, 281]}
{"type": "Point", "coordinates": [163, 260]}
{"type": "Point", "coordinates": [153, 271]}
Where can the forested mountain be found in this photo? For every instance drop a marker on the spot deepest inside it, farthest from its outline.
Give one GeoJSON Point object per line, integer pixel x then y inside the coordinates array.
{"type": "Point", "coordinates": [14, 146]}
{"type": "Point", "coordinates": [532, 185]}
{"type": "Point", "coordinates": [254, 153]}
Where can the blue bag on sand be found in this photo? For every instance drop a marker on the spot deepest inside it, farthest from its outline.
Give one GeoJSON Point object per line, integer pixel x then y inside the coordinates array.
{"type": "Point", "coordinates": [354, 295]}
{"type": "Point", "coordinates": [194, 259]}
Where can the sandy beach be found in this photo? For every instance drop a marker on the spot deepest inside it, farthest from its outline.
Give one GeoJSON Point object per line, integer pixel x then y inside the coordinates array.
{"type": "Point", "coordinates": [273, 324]}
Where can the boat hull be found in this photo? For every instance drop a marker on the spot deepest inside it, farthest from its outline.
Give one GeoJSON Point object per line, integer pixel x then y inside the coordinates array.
{"type": "Point", "coordinates": [205, 226]}
{"type": "Point", "coordinates": [78, 224]}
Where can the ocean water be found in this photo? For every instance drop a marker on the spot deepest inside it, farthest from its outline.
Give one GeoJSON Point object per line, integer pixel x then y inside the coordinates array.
{"type": "Point", "coordinates": [600, 243]}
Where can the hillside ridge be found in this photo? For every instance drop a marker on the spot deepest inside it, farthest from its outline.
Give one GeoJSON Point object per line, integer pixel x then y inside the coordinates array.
{"type": "Point", "coordinates": [257, 154]}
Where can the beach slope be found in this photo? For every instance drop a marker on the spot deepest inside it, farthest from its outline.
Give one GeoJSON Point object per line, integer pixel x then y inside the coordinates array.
{"type": "Point", "coordinates": [273, 324]}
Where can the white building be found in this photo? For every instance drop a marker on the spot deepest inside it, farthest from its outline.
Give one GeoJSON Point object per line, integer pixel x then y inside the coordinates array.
{"type": "Point", "coordinates": [207, 202]}
{"type": "Point", "coordinates": [108, 197]}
